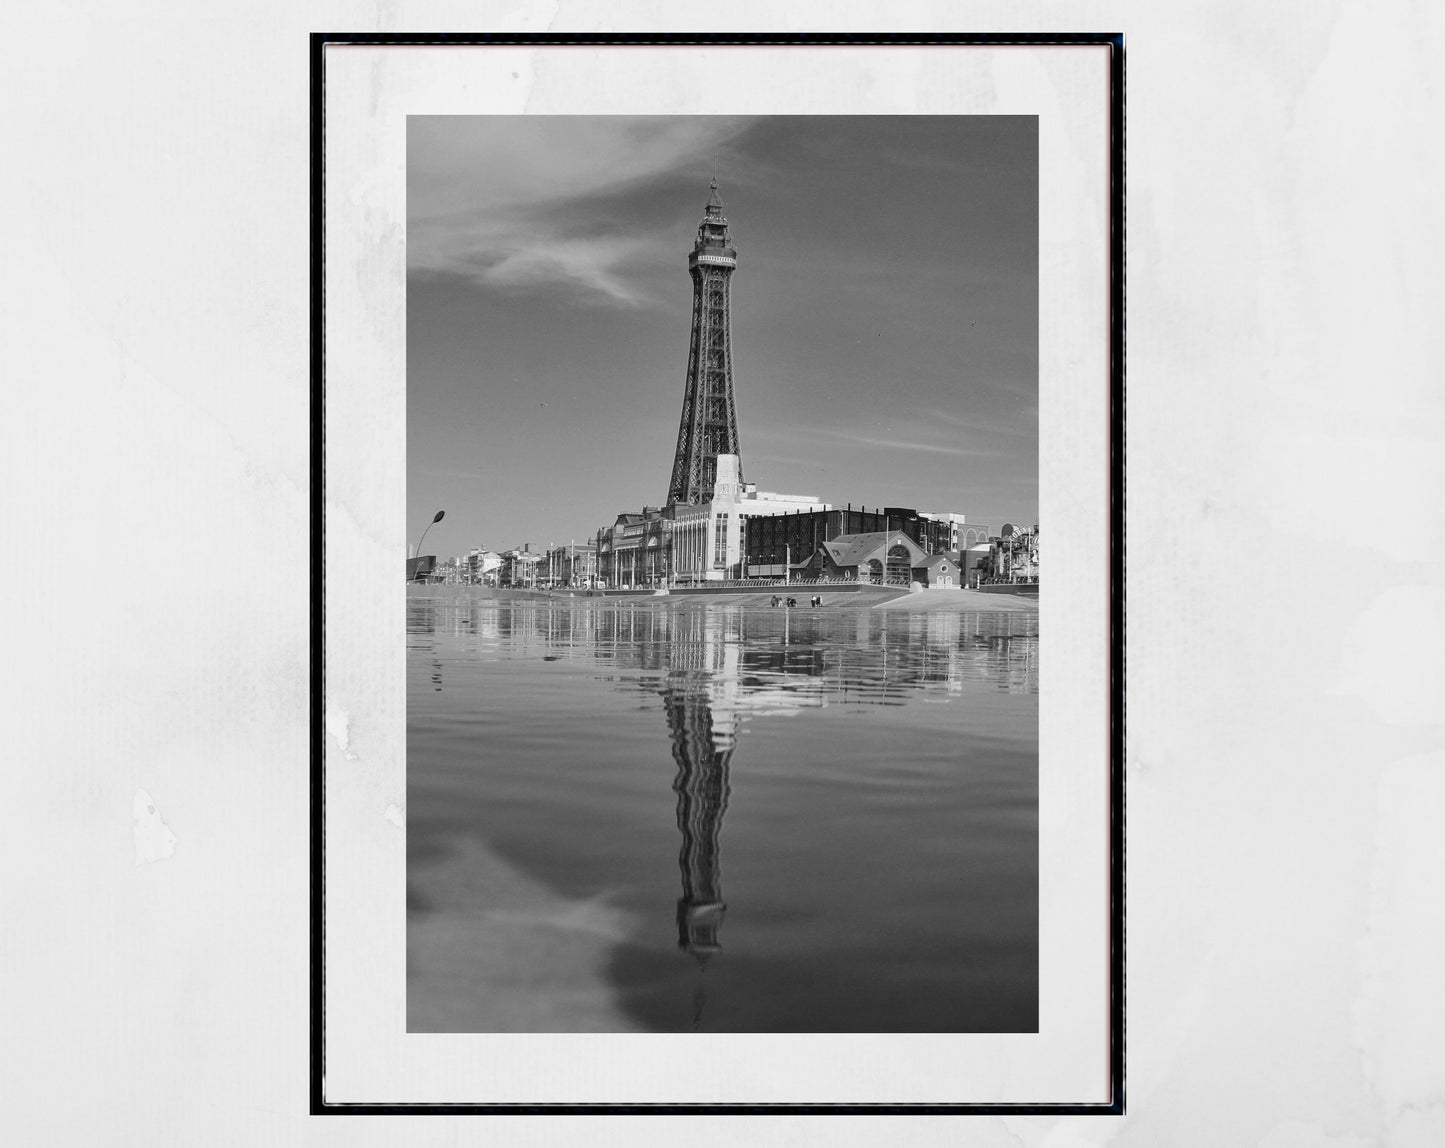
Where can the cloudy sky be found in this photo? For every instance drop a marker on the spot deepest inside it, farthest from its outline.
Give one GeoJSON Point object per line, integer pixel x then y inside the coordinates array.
{"type": "Point", "coordinates": [885, 314]}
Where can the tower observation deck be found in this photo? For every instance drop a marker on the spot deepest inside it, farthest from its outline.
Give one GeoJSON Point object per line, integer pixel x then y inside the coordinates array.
{"type": "Point", "coordinates": [709, 418]}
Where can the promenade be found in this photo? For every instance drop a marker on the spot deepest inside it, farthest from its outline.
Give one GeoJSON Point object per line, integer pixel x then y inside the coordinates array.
{"type": "Point", "coordinates": [867, 598]}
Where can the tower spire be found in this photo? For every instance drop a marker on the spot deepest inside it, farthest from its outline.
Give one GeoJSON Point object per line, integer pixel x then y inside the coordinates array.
{"type": "Point", "coordinates": [709, 424]}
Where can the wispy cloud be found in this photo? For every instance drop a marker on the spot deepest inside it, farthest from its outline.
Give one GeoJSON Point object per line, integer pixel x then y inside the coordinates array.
{"type": "Point", "coordinates": [915, 438]}
{"type": "Point", "coordinates": [507, 252]}
{"type": "Point", "coordinates": [906, 444]}
{"type": "Point", "coordinates": [1024, 426]}
{"type": "Point", "coordinates": [518, 202]}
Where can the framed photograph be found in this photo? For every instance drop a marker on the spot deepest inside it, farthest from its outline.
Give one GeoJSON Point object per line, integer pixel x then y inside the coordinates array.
{"type": "Point", "coordinates": [695, 727]}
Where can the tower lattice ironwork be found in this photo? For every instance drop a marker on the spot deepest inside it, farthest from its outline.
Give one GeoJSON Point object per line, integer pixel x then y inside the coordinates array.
{"type": "Point", "coordinates": [709, 418]}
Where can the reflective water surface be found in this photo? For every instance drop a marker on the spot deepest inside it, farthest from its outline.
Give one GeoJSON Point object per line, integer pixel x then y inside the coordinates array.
{"type": "Point", "coordinates": [674, 817]}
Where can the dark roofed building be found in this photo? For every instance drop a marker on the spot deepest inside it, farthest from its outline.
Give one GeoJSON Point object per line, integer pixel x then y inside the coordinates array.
{"type": "Point", "coordinates": [941, 570]}
{"type": "Point", "coordinates": [883, 556]}
{"type": "Point", "coordinates": [770, 543]}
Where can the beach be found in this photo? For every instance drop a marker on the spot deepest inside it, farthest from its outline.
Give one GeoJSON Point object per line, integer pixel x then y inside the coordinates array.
{"type": "Point", "coordinates": [930, 601]}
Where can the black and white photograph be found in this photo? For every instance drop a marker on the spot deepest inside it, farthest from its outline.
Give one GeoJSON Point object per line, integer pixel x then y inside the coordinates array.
{"type": "Point", "coordinates": [694, 412]}
{"type": "Point", "coordinates": [722, 609]}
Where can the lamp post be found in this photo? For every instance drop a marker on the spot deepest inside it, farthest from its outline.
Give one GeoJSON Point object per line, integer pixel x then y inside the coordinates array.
{"type": "Point", "coordinates": [440, 514]}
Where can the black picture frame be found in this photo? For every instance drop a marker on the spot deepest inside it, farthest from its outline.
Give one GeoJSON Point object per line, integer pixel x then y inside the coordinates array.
{"type": "Point", "coordinates": [1114, 42]}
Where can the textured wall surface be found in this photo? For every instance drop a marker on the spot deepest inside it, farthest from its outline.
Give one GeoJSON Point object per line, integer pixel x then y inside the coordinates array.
{"type": "Point", "coordinates": [1286, 767]}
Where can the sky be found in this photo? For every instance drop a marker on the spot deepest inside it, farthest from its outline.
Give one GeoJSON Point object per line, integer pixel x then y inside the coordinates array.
{"type": "Point", "coordinates": [884, 314]}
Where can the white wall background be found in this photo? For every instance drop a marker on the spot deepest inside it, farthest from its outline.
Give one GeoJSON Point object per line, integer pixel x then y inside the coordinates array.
{"type": "Point", "coordinates": [1287, 574]}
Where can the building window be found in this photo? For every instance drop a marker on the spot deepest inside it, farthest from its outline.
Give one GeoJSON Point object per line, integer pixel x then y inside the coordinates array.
{"type": "Point", "coordinates": [720, 541]}
{"type": "Point", "coordinates": [899, 564]}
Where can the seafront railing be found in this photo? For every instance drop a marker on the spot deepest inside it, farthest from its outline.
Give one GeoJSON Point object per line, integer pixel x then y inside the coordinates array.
{"type": "Point", "coordinates": [773, 583]}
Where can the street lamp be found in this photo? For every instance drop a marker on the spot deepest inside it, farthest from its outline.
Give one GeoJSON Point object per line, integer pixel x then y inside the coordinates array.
{"type": "Point", "coordinates": [439, 516]}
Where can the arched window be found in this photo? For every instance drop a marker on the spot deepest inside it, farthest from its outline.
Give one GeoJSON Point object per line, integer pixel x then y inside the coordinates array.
{"type": "Point", "coordinates": [875, 570]}
{"type": "Point", "coordinates": [900, 564]}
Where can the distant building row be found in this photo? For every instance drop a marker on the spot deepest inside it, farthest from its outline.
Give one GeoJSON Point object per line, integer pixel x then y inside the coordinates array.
{"type": "Point", "coordinates": [742, 534]}
{"type": "Point", "coordinates": [892, 545]}
{"type": "Point", "coordinates": [523, 566]}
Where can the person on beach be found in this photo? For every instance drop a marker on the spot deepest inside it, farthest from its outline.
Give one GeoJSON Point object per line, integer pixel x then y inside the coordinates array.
{"type": "Point", "coordinates": [776, 600]}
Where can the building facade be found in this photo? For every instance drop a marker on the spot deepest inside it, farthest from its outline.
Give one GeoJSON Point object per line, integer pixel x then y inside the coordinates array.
{"type": "Point", "coordinates": [519, 568]}
{"type": "Point", "coordinates": [1013, 556]}
{"type": "Point", "coordinates": [956, 533]}
{"type": "Point", "coordinates": [480, 567]}
{"type": "Point", "coordinates": [941, 572]}
{"type": "Point", "coordinates": [793, 538]}
{"type": "Point", "coordinates": [632, 553]}
{"type": "Point", "coordinates": [684, 544]}
{"type": "Point", "coordinates": [571, 565]}
{"type": "Point", "coordinates": [882, 557]}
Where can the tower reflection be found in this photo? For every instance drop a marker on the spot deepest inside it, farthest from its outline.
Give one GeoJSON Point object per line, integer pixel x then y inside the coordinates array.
{"type": "Point", "coordinates": [716, 669]}
{"type": "Point", "coordinates": [700, 698]}
{"type": "Point", "coordinates": [702, 754]}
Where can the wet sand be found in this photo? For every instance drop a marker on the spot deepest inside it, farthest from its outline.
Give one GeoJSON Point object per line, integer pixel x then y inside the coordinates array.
{"type": "Point", "coordinates": [963, 601]}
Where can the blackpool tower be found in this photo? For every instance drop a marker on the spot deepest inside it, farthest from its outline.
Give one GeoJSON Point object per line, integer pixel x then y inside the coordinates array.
{"type": "Point", "coordinates": [709, 421]}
